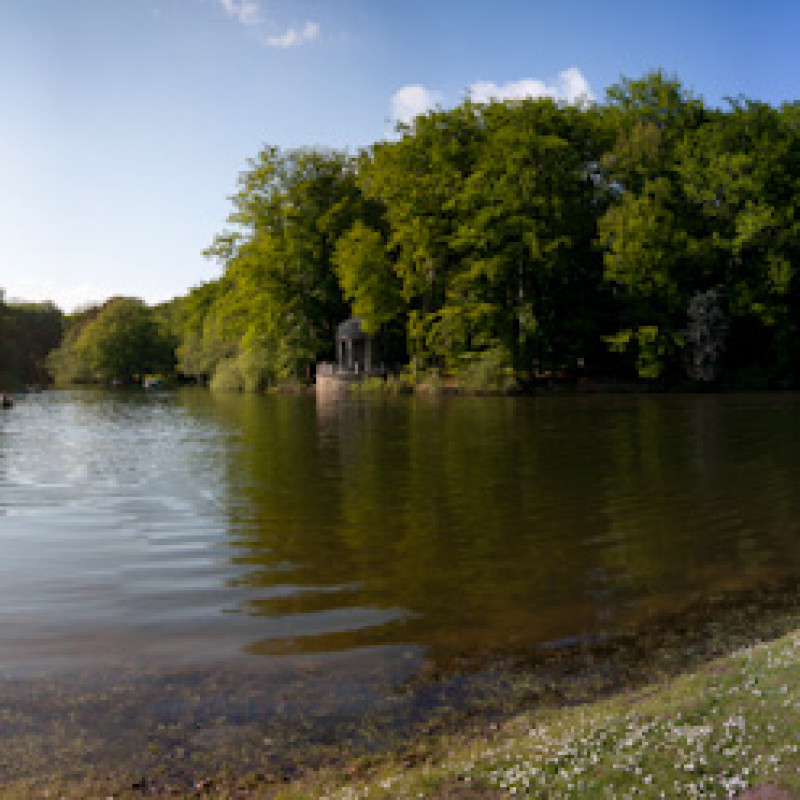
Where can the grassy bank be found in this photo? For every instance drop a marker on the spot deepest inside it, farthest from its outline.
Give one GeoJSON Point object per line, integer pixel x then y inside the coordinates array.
{"type": "Point", "coordinates": [730, 725]}
{"type": "Point", "coordinates": [704, 702]}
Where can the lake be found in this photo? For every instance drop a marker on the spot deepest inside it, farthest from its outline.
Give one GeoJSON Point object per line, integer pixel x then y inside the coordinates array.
{"type": "Point", "coordinates": [323, 551]}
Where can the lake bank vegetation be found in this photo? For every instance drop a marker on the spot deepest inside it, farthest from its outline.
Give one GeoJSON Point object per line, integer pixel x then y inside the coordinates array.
{"type": "Point", "coordinates": [120, 342]}
{"type": "Point", "coordinates": [727, 730]}
{"type": "Point", "coordinates": [700, 704]}
{"type": "Point", "coordinates": [646, 238]}
{"type": "Point", "coordinates": [28, 332]}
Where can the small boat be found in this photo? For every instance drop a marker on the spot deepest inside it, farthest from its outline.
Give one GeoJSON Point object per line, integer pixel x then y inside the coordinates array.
{"type": "Point", "coordinates": [6, 401]}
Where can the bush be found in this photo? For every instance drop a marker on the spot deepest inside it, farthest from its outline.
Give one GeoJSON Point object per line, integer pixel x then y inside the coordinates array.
{"type": "Point", "coordinates": [486, 371]}
{"type": "Point", "coordinates": [227, 376]}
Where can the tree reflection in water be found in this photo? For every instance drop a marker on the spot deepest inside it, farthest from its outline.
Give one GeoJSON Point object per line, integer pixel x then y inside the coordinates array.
{"type": "Point", "coordinates": [472, 526]}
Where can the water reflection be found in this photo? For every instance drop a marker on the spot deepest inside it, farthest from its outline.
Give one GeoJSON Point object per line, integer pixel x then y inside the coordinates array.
{"type": "Point", "coordinates": [477, 525]}
{"type": "Point", "coordinates": [195, 527]}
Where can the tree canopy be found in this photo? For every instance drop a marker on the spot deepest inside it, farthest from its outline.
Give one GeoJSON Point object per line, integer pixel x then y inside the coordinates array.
{"type": "Point", "coordinates": [28, 332]}
{"type": "Point", "coordinates": [647, 236]}
{"type": "Point", "coordinates": [120, 341]}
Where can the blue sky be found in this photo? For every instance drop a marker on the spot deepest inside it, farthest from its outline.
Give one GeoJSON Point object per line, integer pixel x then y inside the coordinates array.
{"type": "Point", "coordinates": [125, 122]}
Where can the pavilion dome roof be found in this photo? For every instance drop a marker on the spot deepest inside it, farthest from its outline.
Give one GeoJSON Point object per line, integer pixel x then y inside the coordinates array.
{"type": "Point", "coordinates": [350, 329]}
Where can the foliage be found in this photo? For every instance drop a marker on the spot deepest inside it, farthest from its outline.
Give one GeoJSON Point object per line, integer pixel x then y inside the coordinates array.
{"type": "Point", "coordinates": [120, 341]}
{"type": "Point", "coordinates": [707, 202]}
{"type": "Point", "coordinates": [28, 332]}
{"type": "Point", "coordinates": [486, 371]}
{"type": "Point", "coordinates": [274, 311]}
{"type": "Point", "coordinates": [191, 321]}
{"type": "Point", "coordinates": [367, 277]}
{"type": "Point", "coordinates": [526, 233]}
{"type": "Point", "coordinates": [648, 235]}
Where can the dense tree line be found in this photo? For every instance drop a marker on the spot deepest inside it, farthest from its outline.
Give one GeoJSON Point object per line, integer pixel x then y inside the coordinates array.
{"type": "Point", "coordinates": [28, 332]}
{"type": "Point", "coordinates": [121, 341]}
{"type": "Point", "coordinates": [648, 236]}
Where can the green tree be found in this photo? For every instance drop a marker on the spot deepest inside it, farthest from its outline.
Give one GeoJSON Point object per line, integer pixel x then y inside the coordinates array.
{"type": "Point", "coordinates": [367, 277]}
{"type": "Point", "coordinates": [280, 288]}
{"type": "Point", "coordinates": [122, 341]}
{"type": "Point", "coordinates": [417, 179]}
{"type": "Point", "coordinates": [8, 362]}
{"type": "Point", "coordinates": [705, 210]}
{"type": "Point", "coordinates": [530, 280]}
{"type": "Point", "coordinates": [739, 176]}
{"type": "Point", "coordinates": [519, 236]}
{"type": "Point", "coordinates": [28, 332]}
{"type": "Point", "coordinates": [645, 233]}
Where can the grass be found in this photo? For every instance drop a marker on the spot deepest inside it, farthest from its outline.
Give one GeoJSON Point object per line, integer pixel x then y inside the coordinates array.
{"type": "Point", "coordinates": [732, 724]}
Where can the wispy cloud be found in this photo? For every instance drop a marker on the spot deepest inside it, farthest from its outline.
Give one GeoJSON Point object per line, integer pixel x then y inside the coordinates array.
{"type": "Point", "coordinates": [248, 12]}
{"type": "Point", "coordinates": [571, 87]}
{"type": "Point", "coordinates": [292, 37]}
{"type": "Point", "coordinates": [412, 100]}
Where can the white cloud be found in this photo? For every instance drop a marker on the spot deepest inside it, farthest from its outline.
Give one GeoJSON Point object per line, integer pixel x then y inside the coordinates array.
{"type": "Point", "coordinates": [574, 88]}
{"type": "Point", "coordinates": [248, 12]}
{"type": "Point", "coordinates": [413, 100]}
{"type": "Point", "coordinates": [571, 86]}
{"type": "Point", "coordinates": [486, 91]}
{"type": "Point", "coordinates": [292, 37]}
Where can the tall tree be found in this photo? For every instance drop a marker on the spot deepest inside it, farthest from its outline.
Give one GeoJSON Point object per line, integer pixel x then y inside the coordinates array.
{"type": "Point", "coordinates": [417, 178]}
{"type": "Point", "coordinates": [28, 332]}
{"type": "Point", "coordinates": [739, 175]}
{"type": "Point", "coordinates": [120, 341]}
{"type": "Point", "coordinates": [530, 279]}
{"type": "Point", "coordinates": [644, 232]}
{"type": "Point", "coordinates": [290, 211]}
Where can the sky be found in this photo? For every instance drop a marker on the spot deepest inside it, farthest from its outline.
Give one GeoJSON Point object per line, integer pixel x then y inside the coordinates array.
{"type": "Point", "coordinates": [124, 123]}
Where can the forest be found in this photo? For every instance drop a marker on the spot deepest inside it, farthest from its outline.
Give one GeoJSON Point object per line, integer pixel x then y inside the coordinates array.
{"type": "Point", "coordinates": [28, 332]}
{"type": "Point", "coordinates": [644, 238]}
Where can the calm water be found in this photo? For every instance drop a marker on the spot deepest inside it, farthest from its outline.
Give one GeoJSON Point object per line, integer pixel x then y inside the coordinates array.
{"type": "Point", "coordinates": [189, 528]}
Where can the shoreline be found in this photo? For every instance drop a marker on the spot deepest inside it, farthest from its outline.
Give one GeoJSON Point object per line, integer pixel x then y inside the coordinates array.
{"type": "Point", "coordinates": [548, 686]}
{"type": "Point", "coordinates": [717, 725]}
